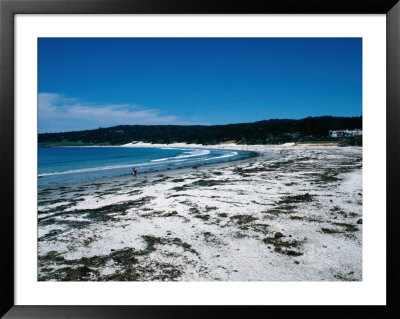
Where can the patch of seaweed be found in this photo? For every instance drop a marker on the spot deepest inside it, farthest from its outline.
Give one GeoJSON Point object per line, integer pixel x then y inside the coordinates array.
{"type": "Point", "coordinates": [169, 214]}
{"type": "Point", "coordinates": [283, 209]}
{"type": "Point", "coordinates": [60, 208]}
{"type": "Point", "coordinates": [211, 238]}
{"type": "Point", "coordinates": [90, 240]}
{"type": "Point", "coordinates": [349, 227]}
{"type": "Point", "coordinates": [51, 235]}
{"type": "Point", "coordinates": [161, 180]}
{"type": "Point", "coordinates": [203, 217]}
{"type": "Point", "coordinates": [179, 189]}
{"type": "Point", "coordinates": [284, 247]}
{"type": "Point", "coordinates": [331, 231]}
{"type": "Point", "coordinates": [79, 273]}
{"type": "Point", "coordinates": [296, 199]}
{"type": "Point", "coordinates": [326, 177]}
{"type": "Point", "coordinates": [84, 269]}
{"type": "Point", "coordinates": [101, 214]}
{"type": "Point", "coordinates": [242, 219]}
{"type": "Point", "coordinates": [178, 195]}
{"type": "Point", "coordinates": [346, 277]}
{"type": "Point", "coordinates": [309, 219]}
{"type": "Point", "coordinates": [194, 210]}
{"type": "Point", "coordinates": [135, 192]}
{"type": "Point", "coordinates": [211, 182]}
{"type": "Point", "coordinates": [151, 241]}
{"type": "Point", "coordinates": [261, 228]}
{"type": "Point", "coordinates": [290, 184]}
{"type": "Point", "coordinates": [338, 210]}
{"type": "Point", "coordinates": [178, 180]}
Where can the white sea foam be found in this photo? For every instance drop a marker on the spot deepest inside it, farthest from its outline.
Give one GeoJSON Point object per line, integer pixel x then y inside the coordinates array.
{"type": "Point", "coordinates": [217, 157]}
{"type": "Point", "coordinates": [175, 148]}
{"type": "Point", "coordinates": [222, 156]}
{"type": "Point", "coordinates": [194, 153]}
{"type": "Point", "coordinates": [92, 169]}
{"type": "Point", "coordinates": [175, 159]}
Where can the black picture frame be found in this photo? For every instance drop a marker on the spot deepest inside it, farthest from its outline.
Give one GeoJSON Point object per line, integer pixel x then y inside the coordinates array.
{"type": "Point", "coordinates": [8, 8]}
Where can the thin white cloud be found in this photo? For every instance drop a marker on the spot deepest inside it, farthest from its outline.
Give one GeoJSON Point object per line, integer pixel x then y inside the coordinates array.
{"type": "Point", "coordinates": [60, 113]}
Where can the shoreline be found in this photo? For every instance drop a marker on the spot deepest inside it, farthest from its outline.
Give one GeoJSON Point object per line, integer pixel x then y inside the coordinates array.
{"type": "Point", "coordinates": [172, 171]}
{"type": "Point", "coordinates": [293, 217]}
{"type": "Point", "coordinates": [251, 154]}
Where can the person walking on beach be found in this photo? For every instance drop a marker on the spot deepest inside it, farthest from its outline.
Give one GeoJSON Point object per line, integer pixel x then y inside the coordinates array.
{"type": "Point", "coordinates": [134, 171]}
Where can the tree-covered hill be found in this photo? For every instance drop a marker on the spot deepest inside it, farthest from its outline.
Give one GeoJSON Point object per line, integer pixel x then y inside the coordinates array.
{"type": "Point", "coordinates": [262, 132]}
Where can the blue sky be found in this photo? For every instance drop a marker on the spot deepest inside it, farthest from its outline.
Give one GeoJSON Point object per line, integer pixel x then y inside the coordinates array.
{"type": "Point", "coordinates": [89, 83]}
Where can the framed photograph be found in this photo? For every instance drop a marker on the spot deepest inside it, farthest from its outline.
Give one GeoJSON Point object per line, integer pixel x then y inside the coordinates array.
{"type": "Point", "coordinates": [158, 155]}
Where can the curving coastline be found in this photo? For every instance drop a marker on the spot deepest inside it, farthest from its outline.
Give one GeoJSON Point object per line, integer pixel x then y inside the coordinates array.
{"type": "Point", "coordinates": [75, 164]}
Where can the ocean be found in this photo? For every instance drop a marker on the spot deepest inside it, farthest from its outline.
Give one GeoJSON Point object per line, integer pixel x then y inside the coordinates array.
{"type": "Point", "coordinates": [63, 165]}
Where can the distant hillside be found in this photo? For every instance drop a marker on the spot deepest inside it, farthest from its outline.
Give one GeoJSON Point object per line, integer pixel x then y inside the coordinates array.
{"type": "Point", "coordinates": [273, 131]}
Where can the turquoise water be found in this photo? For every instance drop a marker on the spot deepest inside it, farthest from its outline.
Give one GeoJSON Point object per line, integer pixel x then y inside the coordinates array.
{"type": "Point", "coordinates": [61, 165]}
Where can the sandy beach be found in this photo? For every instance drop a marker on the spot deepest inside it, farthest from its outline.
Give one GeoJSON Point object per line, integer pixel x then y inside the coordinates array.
{"type": "Point", "coordinates": [293, 213]}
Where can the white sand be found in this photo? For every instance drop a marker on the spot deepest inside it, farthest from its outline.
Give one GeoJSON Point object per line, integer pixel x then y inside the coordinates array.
{"type": "Point", "coordinates": [215, 222]}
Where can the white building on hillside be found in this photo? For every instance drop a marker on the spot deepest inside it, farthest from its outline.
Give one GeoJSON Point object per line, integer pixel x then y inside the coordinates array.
{"type": "Point", "coordinates": [345, 133]}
